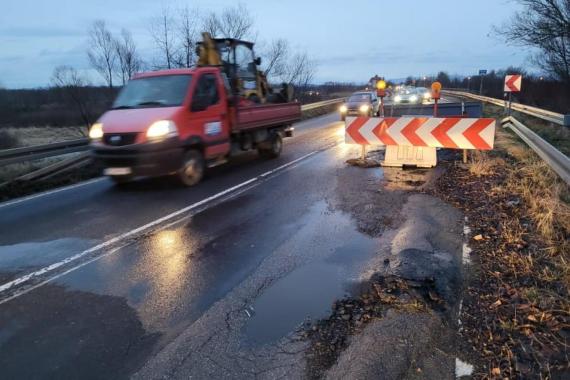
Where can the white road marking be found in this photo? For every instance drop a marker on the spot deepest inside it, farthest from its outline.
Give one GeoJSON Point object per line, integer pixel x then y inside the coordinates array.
{"type": "Point", "coordinates": [27, 290]}
{"type": "Point", "coordinates": [23, 279]}
{"type": "Point", "coordinates": [466, 254]}
{"type": "Point", "coordinates": [462, 368]}
{"type": "Point", "coordinates": [50, 192]}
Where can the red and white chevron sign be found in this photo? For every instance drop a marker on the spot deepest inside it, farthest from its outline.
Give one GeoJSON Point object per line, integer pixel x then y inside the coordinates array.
{"type": "Point", "coordinates": [448, 132]}
{"type": "Point", "coordinates": [513, 83]}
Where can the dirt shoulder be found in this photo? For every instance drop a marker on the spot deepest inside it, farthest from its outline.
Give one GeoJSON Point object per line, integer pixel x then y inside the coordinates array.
{"type": "Point", "coordinates": [516, 308]}
{"type": "Point", "coordinates": [502, 312]}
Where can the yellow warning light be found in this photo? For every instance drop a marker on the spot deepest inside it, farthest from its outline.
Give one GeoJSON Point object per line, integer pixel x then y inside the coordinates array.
{"type": "Point", "coordinates": [381, 85]}
{"type": "Point", "coordinates": [436, 86]}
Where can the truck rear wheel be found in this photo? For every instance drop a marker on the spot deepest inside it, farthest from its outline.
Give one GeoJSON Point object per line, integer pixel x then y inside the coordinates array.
{"type": "Point", "coordinates": [273, 148]}
{"type": "Point", "coordinates": [193, 169]}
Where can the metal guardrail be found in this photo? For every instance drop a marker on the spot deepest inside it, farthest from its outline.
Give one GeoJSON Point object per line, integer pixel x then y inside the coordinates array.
{"type": "Point", "coordinates": [307, 107]}
{"type": "Point", "coordinates": [18, 155]}
{"type": "Point", "coordinates": [553, 117]}
{"type": "Point", "coordinates": [557, 160]}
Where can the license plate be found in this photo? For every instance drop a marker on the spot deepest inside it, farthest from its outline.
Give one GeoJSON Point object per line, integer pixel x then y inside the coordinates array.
{"type": "Point", "coordinates": [118, 171]}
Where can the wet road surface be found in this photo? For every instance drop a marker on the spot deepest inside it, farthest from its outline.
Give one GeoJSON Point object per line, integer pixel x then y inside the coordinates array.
{"type": "Point", "coordinates": [259, 247]}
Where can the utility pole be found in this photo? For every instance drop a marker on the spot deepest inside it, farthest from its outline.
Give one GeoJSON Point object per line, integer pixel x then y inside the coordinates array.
{"type": "Point", "coordinates": [482, 74]}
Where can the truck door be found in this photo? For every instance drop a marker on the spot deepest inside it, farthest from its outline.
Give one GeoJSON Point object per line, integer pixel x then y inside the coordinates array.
{"type": "Point", "coordinates": [210, 113]}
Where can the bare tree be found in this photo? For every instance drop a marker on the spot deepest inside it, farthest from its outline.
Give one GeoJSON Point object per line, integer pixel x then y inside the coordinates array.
{"type": "Point", "coordinates": [233, 22]}
{"type": "Point", "coordinates": [299, 71]}
{"type": "Point", "coordinates": [211, 24]}
{"type": "Point", "coordinates": [236, 22]}
{"type": "Point", "coordinates": [187, 35]}
{"type": "Point", "coordinates": [275, 57]}
{"type": "Point", "coordinates": [545, 25]}
{"type": "Point", "coordinates": [73, 87]}
{"type": "Point", "coordinates": [101, 51]}
{"type": "Point", "coordinates": [129, 60]}
{"type": "Point", "coordinates": [163, 34]}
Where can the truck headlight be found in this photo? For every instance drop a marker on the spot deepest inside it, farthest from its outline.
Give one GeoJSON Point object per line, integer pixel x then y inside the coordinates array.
{"type": "Point", "coordinates": [96, 131]}
{"type": "Point", "coordinates": [343, 109]}
{"type": "Point", "coordinates": [398, 99]}
{"type": "Point", "coordinates": [364, 108]}
{"type": "Point", "coordinates": [161, 129]}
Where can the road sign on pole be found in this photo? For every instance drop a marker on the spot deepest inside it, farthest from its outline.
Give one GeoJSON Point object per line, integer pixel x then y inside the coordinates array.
{"type": "Point", "coordinates": [513, 83]}
{"type": "Point", "coordinates": [482, 72]}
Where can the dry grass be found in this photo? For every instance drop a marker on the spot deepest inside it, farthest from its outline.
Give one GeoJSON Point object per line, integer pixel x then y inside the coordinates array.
{"type": "Point", "coordinates": [482, 164]}
{"type": "Point", "coordinates": [543, 192]}
{"type": "Point", "coordinates": [517, 307]}
{"type": "Point", "coordinates": [30, 136]}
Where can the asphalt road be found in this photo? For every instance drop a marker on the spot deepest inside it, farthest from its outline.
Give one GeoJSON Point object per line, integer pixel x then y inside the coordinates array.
{"type": "Point", "coordinates": [100, 282]}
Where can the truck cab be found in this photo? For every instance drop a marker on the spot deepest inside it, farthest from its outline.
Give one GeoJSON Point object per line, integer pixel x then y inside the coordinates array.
{"type": "Point", "coordinates": [182, 121]}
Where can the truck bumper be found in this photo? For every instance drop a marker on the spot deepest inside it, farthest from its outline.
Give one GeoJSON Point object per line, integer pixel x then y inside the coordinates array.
{"type": "Point", "coordinates": [149, 159]}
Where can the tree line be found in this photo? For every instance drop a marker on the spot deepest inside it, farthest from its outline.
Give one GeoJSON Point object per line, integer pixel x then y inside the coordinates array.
{"type": "Point", "coordinates": [537, 90]}
{"type": "Point", "coordinates": [175, 34]}
{"type": "Point", "coordinates": [73, 99]}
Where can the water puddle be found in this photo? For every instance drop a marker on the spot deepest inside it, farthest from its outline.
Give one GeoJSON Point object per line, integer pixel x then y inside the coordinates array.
{"type": "Point", "coordinates": [309, 290]}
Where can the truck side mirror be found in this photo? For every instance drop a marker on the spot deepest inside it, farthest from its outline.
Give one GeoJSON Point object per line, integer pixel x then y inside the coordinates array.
{"type": "Point", "coordinates": [257, 61]}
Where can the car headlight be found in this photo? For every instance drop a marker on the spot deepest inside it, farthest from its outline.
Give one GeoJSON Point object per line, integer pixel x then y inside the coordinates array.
{"type": "Point", "coordinates": [414, 98]}
{"type": "Point", "coordinates": [343, 109]}
{"type": "Point", "coordinates": [364, 108]}
{"type": "Point", "coordinates": [398, 98]}
{"type": "Point", "coordinates": [161, 129]}
{"type": "Point", "coordinates": [427, 95]}
{"type": "Point", "coordinates": [96, 131]}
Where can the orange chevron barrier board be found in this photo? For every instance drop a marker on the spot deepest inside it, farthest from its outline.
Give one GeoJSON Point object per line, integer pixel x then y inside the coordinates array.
{"type": "Point", "coordinates": [513, 83]}
{"type": "Point", "coordinates": [448, 132]}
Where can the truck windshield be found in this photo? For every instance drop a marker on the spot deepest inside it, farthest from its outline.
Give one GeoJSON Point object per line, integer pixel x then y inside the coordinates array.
{"type": "Point", "coordinates": [160, 91]}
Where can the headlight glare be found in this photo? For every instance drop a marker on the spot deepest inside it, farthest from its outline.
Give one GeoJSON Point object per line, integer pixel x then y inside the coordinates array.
{"type": "Point", "coordinates": [364, 108]}
{"type": "Point", "coordinates": [398, 98]}
{"type": "Point", "coordinates": [160, 129]}
{"type": "Point", "coordinates": [96, 131]}
{"type": "Point", "coordinates": [343, 108]}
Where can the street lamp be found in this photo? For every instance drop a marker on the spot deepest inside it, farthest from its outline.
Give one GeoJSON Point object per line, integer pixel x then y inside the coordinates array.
{"type": "Point", "coordinates": [468, 84]}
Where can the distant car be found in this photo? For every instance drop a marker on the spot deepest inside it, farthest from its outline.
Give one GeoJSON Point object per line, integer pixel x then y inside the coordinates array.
{"type": "Point", "coordinates": [408, 95]}
{"type": "Point", "coordinates": [424, 92]}
{"type": "Point", "coordinates": [363, 103]}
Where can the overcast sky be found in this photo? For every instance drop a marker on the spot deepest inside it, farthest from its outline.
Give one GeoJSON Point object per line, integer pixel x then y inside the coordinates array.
{"type": "Point", "coordinates": [350, 40]}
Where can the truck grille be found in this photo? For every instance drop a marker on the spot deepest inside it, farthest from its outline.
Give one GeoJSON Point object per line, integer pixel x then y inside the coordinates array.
{"type": "Point", "coordinates": [119, 139]}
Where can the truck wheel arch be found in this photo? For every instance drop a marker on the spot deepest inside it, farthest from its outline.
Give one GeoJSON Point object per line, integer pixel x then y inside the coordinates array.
{"type": "Point", "coordinates": [194, 142]}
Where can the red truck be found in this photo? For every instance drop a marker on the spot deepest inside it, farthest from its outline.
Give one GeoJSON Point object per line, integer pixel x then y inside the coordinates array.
{"type": "Point", "coordinates": [182, 121]}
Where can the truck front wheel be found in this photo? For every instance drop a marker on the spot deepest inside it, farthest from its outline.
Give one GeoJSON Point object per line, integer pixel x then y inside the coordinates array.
{"type": "Point", "coordinates": [273, 147]}
{"type": "Point", "coordinates": [193, 168]}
